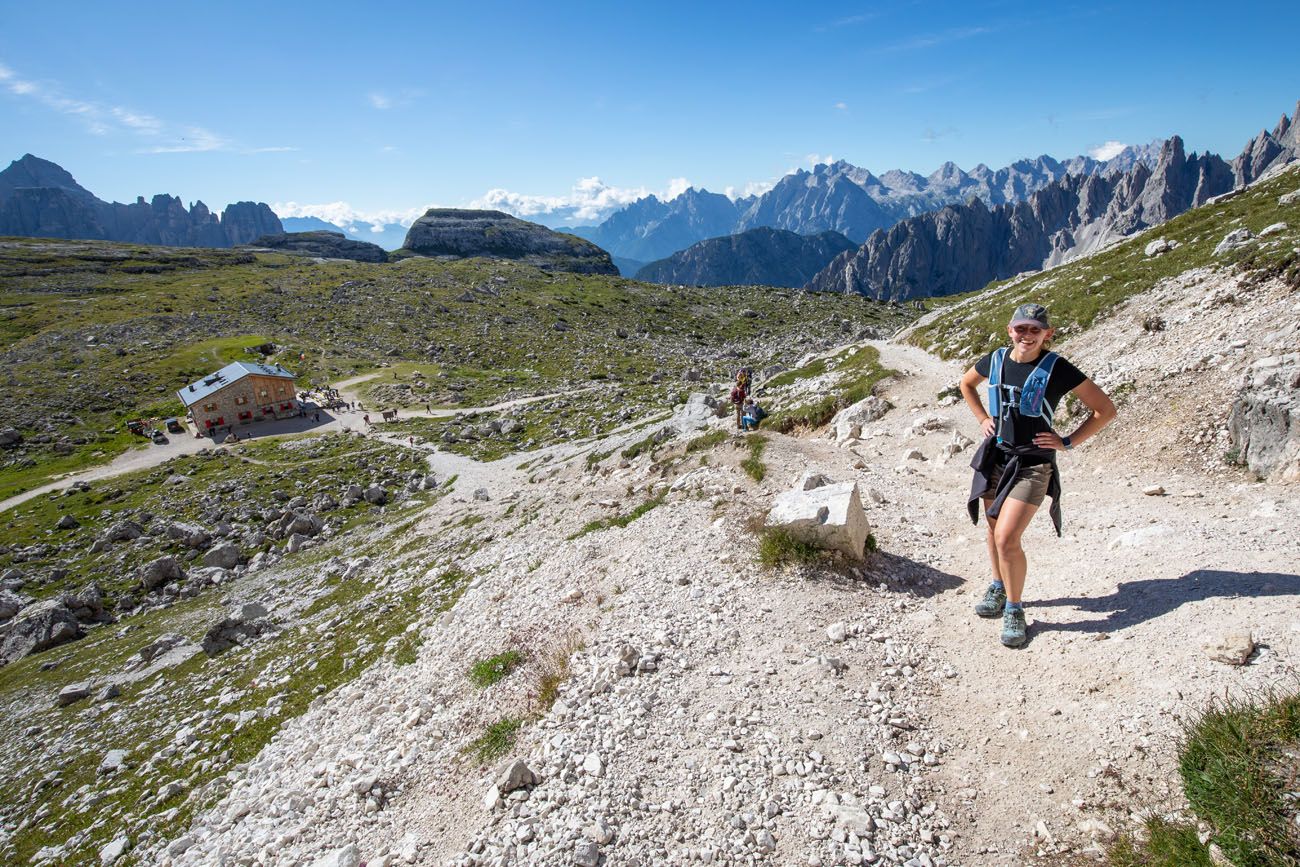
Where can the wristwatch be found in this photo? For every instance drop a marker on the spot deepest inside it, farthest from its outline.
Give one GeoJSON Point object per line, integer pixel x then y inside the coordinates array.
{"type": "Point", "coordinates": [1065, 441]}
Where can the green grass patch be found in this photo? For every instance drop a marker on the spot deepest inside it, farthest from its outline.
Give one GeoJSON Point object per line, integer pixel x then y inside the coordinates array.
{"type": "Point", "coordinates": [859, 372]}
{"type": "Point", "coordinates": [642, 445]}
{"type": "Point", "coordinates": [496, 740]}
{"type": "Point", "coordinates": [753, 464]}
{"type": "Point", "coordinates": [618, 520]}
{"type": "Point", "coordinates": [1238, 762]}
{"type": "Point", "coordinates": [1164, 844]}
{"type": "Point", "coordinates": [494, 669]}
{"type": "Point", "coordinates": [704, 442]}
{"type": "Point", "coordinates": [777, 547]}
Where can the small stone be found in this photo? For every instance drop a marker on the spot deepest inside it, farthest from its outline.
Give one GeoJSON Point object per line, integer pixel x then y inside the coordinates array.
{"type": "Point", "coordinates": [345, 856]}
{"type": "Point", "coordinates": [1232, 648]}
{"type": "Point", "coordinates": [837, 632]}
{"type": "Point", "coordinates": [113, 761]}
{"type": "Point", "coordinates": [516, 775]}
{"type": "Point", "coordinates": [593, 765]}
{"type": "Point", "coordinates": [72, 693]}
{"type": "Point", "coordinates": [1154, 491]}
{"type": "Point", "coordinates": [586, 854]}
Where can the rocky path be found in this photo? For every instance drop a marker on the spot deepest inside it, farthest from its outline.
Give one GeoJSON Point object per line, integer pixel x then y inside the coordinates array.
{"type": "Point", "coordinates": [712, 711]}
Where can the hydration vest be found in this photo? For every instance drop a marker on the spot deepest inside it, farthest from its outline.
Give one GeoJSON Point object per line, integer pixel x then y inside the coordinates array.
{"type": "Point", "coordinates": [1029, 398]}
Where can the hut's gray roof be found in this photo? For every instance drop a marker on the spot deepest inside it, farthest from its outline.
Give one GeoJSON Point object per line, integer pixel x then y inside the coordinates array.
{"type": "Point", "coordinates": [233, 372]}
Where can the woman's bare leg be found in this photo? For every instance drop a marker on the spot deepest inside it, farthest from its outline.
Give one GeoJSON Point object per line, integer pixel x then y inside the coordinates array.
{"type": "Point", "coordinates": [1012, 565]}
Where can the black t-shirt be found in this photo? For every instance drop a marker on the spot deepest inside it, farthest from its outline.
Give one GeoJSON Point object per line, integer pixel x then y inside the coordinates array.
{"type": "Point", "coordinates": [1018, 431]}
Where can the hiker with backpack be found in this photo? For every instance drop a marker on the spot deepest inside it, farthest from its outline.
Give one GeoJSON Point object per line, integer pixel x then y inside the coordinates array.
{"type": "Point", "coordinates": [739, 392]}
{"type": "Point", "coordinates": [1015, 466]}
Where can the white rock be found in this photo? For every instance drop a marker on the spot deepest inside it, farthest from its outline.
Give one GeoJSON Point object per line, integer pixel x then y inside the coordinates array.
{"type": "Point", "coordinates": [1154, 491]}
{"type": "Point", "coordinates": [586, 854]}
{"type": "Point", "coordinates": [345, 856]}
{"type": "Point", "coordinates": [1232, 648]}
{"type": "Point", "coordinates": [837, 632]}
{"type": "Point", "coordinates": [829, 517]}
{"type": "Point", "coordinates": [114, 850]}
{"type": "Point", "coordinates": [593, 765]}
{"type": "Point", "coordinates": [1272, 229]}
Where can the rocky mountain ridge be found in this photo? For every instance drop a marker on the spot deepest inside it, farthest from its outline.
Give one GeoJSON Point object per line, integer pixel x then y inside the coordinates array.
{"type": "Point", "coordinates": [762, 257]}
{"type": "Point", "coordinates": [39, 199]}
{"type": "Point", "coordinates": [964, 246]}
{"type": "Point", "coordinates": [327, 245]}
{"type": "Point", "coordinates": [837, 197]}
{"type": "Point", "coordinates": [462, 233]}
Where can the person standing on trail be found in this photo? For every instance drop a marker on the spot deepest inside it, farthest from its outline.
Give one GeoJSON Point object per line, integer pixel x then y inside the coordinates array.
{"type": "Point", "coordinates": [1015, 467]}
{"type": "Point", "coordinates": [739, 392]}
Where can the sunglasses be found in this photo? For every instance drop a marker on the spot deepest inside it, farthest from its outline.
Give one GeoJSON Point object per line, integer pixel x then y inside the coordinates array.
{"type": "Point", "coordinates": [1027, 329]}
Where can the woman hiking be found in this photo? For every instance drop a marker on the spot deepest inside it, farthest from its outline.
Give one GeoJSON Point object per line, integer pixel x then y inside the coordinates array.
{"type": "Point", "coordinates": [1015, 466]}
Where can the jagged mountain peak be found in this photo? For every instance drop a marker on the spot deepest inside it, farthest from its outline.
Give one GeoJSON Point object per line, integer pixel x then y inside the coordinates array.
{"type": "Point", "coordinates": [965, 246]}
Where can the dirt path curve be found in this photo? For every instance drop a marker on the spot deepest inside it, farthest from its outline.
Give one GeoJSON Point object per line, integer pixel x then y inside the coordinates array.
{"type": "Point", "coordinates": [332, 421]}
{"type": "Point", "coordinates": [347, 388]}
{"type": "Point", "coordinates": [1119, 609]}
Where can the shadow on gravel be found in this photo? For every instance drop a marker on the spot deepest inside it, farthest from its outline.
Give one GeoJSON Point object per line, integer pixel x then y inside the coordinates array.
{"type": "Point", "coordinates": [898, 573]}
{"type": "Point", "coordinates": [1136, 602]}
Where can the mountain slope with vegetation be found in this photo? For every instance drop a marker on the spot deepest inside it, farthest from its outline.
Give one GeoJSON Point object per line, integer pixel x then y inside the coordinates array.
{"type": "Point", "coordinates": [96, 333]}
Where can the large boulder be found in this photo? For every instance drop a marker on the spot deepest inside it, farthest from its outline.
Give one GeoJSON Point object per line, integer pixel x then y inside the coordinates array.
{"type": "Point", "coordinates": [159, 572]}
{"type": "Point", "coordinates": [11, 603]}
{"type": "Point", "coordinates": [9, 437]}
{"type": "Point", "coordinates": [224, 556]}
{"type": "Point", "coordinates": [829, 517]}
{"type": "Point", "coordinates": [848, 422]}
{"type": "Point", "coordinates": [187, 534]}
{"type": "Point", "coordinates": [300, 523]}
{"type": "Point", "coordinates": [246, 621]}
{"type": "Point", "coordinates": [1264, 423]}
{"type": "Point", "coordinates": [493, 234]}
{"type": "Point", "coordinates": [87, 604]}
{"type": "Point", "coordinates": [124, 531]}
{"type": "Point", "coordinates": [38, 627]}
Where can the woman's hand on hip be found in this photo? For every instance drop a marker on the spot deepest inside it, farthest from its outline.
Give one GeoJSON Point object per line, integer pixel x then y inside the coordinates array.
{"type": "Point", "coordinates": [1049, 440]}
{"type": "Point", "coordinates": [988, 427]}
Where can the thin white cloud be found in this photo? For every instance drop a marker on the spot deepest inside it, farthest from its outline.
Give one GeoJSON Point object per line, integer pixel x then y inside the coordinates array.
{"type": "Point", "coordinates": [101, 119]}
{"type": "Point", "coordinates": [931, 40]}
{"type": "Point", "coordinates": [1107, 150]}
{"type": "Point", "coordinates": [841, 106]}
{"type": "Point", "coordinates": [676, 187]}
{"type": "Point", "coordinates": [382, 100]}
{"type": "Point", "coordinates": [816, 160]}
{"type": "Point", "coordinates": [343, 214]}
{"type": "Point", "coordinates": [847, 21]}
{"type": "Point", "coordinates": [753, 188]}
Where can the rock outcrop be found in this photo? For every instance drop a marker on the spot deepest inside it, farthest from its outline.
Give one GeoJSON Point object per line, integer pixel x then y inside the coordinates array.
{"type": "Point", "coordinates": [325, 245]}
{"type": "Point", "coordinates": [493, 234]}
{"type": "Point", "coordinates": [763, 257]}
{"type": "Point", "coordinates": [37, 627]}
{"type": "Point", "coordinates": [1264, 424]}
{"type": "Point", "coordinates": [39, 199]}
{"type": "Point", "coordinates": [963, 247]}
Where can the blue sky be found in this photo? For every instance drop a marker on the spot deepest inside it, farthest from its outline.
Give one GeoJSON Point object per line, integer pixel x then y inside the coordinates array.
{"type": "Point", "coordinates": [381, 109]}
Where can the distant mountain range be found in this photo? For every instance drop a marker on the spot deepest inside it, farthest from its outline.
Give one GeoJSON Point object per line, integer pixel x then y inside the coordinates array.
{"type": "Point", "coordinates": [40, 199]}
{"type": "Point", "coordinates": [763, 256]}
{"type": "Point", "coordinates": [964, 246]}
{"type": "Point", "coordinates": [836, 197]}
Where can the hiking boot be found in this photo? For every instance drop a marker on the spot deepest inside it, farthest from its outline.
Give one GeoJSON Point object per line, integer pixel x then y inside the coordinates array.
{"type": "Point", "coordinates": [995, 599]}
{"type": "Point", "coordinates": [1013, 627]}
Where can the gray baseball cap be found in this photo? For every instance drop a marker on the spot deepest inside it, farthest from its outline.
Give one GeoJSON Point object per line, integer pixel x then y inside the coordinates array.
{"type": "Point", "coordinates": [1030, 314]}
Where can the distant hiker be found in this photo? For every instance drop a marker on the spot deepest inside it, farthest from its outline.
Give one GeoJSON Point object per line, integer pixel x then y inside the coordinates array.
{"type": "Point", "coordinates": [411, 440]}
{"type": "Point", "coordinates": [751, 417]}
{"type": "Point", "coordinates": [1015, 466]}
{"type": "Point", "coordinates": [739, 392]}
{"type": "Point", "coordinates": [366, 419]}
{"type": "Point", "coordinates": [316, 416]}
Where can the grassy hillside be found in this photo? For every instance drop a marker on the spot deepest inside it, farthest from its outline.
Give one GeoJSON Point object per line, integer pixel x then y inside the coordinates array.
{"type": "Point", "coordinates": [95, 333]}
{"type": "Point", "coordinates": [1080, 292]}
